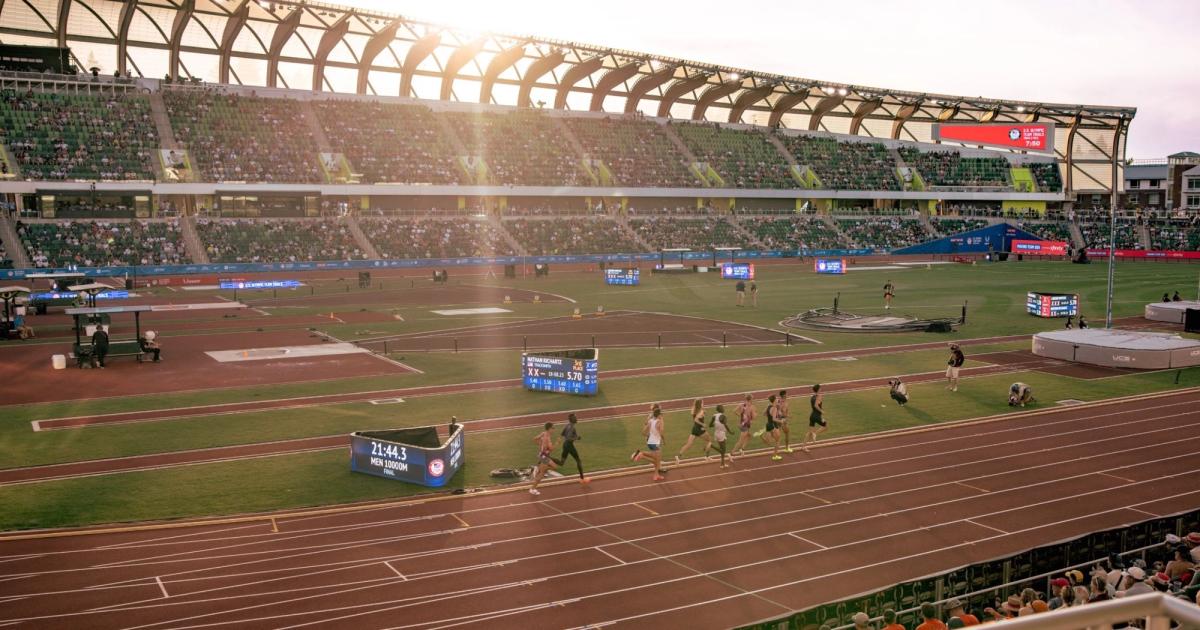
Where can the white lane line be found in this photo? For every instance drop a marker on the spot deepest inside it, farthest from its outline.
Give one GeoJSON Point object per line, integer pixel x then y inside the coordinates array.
{"type": "Point", "coordinates": [600, 548]}
{"type": "Point", "coordinates": [974, 436]}
{"type": "Point", "coordinates": [394, 570]}
{"type": "Point", "coordinates": [1147, 512]}
{"type": "Point", "coordinates": [767, 516]}
{"type": "Point", "coordinates": [995, 529]}
{"type": "Point", "coordinates": [161, 587]}
{"type": "Point", "coordinates": [772, 536]}
{"type": "Point", "coordinates": [803, 539]}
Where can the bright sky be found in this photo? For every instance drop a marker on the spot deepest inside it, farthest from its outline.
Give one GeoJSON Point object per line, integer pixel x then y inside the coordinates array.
{"type": "Point", "coordinates": [1140, 53]}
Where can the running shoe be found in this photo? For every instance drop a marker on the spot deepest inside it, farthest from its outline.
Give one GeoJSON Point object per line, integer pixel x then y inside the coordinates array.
{"type": "Point", "coordinates": [759, 433]}
{"type": "Point", "coordinates": [776, 457]}
{"type": "Point", "coordinates": [585, 480]}
{"type": "Point", "coordinates": [637, 456]}
{"type": "Point", "coordinates": [788, 450]}
{"type": "Point", "coordinates": [678, 460]}
{"type": "Point", "coordinates": [534, 491]}
{"type": "Point", "coordinates": [658, 477]}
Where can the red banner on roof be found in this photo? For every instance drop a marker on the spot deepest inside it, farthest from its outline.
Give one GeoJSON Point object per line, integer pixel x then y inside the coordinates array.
{"type": "Point", "coordinates": [1024, 136]}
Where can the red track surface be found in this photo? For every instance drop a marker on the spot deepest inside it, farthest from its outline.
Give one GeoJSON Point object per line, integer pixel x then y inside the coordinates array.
{"type": "Point", "coordinates": [620, 329]}
{"type": "Point", "coordinates": [203, 410]}
{"type": "Point", "coordinates": [329, 442]}
{"type": "Point", "coordinates": [184, 367]}
{"type": "Point", "coordinates": [705, 549]}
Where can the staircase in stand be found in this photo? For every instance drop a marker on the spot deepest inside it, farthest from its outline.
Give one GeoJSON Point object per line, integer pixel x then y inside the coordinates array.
{"type": "Point", "coordinates": [746, 234]}
{"type": "Point", "coordinates": [191, 240]}
{"type": "Point", "coordinates": [928, 225]}
{"type": "Point", "coordinates": [314, 125]}
{"type": "Point", "coordinates": [1144, 237]}
{"type": "Point", "coordinates": [623, 223]}
{"type": "Point", "coordinates": [1076, 235]}
{"type": "Point", "coordinates": [673, 136]}
{"type": "Point", "coordinates": [162, 123]}
{"type": "Point", "coordinates": [13, 246]}
{"type": "Point", "coordinates": [833, 225]}
{"type": "Point", "coordinates": [360, 239]}
{"type": "Point", "coordinates": [507, 236]}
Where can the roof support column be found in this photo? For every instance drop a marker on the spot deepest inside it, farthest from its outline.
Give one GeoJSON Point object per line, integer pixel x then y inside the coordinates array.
{"type": "Point", "coordinates": [123, 22]}
{"type": "Point", "coordinates": [332, 36]}
{"type": "Point", "coordinates": [378, 42]}
{"type": "Point", "coordinates": [232, 27]}
{"type": "Point", "coordinates": [283, 32]}
{"type": "Point", "coordinates": [183, 15]}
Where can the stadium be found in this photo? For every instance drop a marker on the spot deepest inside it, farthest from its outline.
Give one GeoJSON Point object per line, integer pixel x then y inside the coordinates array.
{"type": "Point", "coordinates": [318, 316]}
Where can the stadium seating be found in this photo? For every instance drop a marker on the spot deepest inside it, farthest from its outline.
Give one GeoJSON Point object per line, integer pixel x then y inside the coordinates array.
{"type": "Point", "coordinates": [572, 236]}
{"type": "Point", "coordinates": [845, 165]}
{"type": "Point", "coordinates": [1174, 235]}
{"type": "Point", "coordinates": [794, 233]}
{"type": "Point", "coordinates": [54, 136]}
{"type": "Point", "coordinates": [276, 240]}
{"type": "Point", "coordinates": [103, 243]}
{"type": "Point", "coordinates": [1097, 235]}
{"type": "Point", "coordinates": [744, 159]}
{"type": "Point", "coordinates": [396, 238]}
{"type": "Point", "coordinates": [945, 226]}
{"type": "Point", "coordinates": [390, 143]}
{"type": "Point", "coordinates": [950, 168]}
{"type": "Point", "coordinates": [699, 234]}
{"type": "Point", "coordinates": [1054, 231]}
{"type": "Point", "coordinates": [884, 234]}
{"type": "Point", "coordinates": [244, 138]}
{"type": "Point", "coordinates": [1048, 176]}
{"type": "Point", "coordinates": [637, 152]}
{"type": "Point", "coordinates": [523, 148]}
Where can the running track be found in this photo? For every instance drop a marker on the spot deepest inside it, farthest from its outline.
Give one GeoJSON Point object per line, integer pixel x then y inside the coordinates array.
{"type": "Point", "coordinates": [132, 463]}
{"type": "Point", "coordinates": [705, 549]}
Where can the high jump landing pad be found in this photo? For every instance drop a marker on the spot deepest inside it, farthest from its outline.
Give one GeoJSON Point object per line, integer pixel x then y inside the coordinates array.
{"type": "Point", "coordinates": [1172, 312]}
{"type": "Point", "coordinates": [1118, 348]}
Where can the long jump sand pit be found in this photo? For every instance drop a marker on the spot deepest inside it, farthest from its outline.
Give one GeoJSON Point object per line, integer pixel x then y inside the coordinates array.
{"type": "Point", "coordinates": [26, 375]}
{"type": "Point", "coordinates": [618, 329]}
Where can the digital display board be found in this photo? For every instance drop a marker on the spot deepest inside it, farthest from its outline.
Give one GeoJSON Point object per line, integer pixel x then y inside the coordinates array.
{"type": "Point", "coordinates": [830, 265]}
{"type": "Point", "coordinates": [628, 277]}
{"type": "Point", "coordinates": [71, 295]}
{"type": "Point", "coordinates": [1052, 304]}
{"type": "Point", "coordinates": [737, 271]}
{"type": "Point", "coordinates": [1039, 248]}
{"type": "Point", "coordinates": [258, 284]}
{"type": "Point", "coordinates": [564, 372]}
{"type": "Point", "coordinates": [380, 453]}
{"type": "Point", "coordinates": [1025, 136]}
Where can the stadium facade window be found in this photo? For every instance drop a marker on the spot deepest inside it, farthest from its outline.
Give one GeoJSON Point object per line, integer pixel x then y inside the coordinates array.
{"type": "Point", "coordinates": [1155, 183]}
{"type": "Point", "coordinates": [1193, 183]}
{"type": "Point", "coordinates": [1133, 183]}
{"type": "Point", "coordinates": [1153, 200]}
{"type": "Point", "coordinates": [1193, 201]}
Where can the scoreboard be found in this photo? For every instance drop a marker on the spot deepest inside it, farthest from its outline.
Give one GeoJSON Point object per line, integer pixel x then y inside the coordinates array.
{"type": "Point", "coordinates": [1052, 304]}
{"type": "Point", "coordinates": [737, 271]}
{"type": "Point", "coordinates": [622, 276]}
{"type": "Point", "coordinates": [564, 372]}
{"type": "Point", "coordinates": [830, 265]}
{"type": "Point", "coordinates": [413, 455]}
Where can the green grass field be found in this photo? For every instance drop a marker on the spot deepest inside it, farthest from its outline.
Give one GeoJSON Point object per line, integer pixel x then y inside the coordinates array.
{"type": "Point", "coordinates": [995, 296]}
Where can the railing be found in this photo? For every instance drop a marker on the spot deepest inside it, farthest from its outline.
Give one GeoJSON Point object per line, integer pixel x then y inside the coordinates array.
{"type": "Point", "coordinates": [1156, 609]}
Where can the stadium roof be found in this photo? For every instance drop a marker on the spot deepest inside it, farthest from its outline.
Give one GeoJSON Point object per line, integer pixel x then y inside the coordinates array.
{"type": "Point", "coordinates": [310, 45]}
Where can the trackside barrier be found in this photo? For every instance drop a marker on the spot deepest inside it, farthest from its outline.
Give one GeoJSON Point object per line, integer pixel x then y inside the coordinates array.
{"type": "Point", "coordinates": [1155, 609]}
{"type": "Point", "coordinates": [234, 268]}
{"type": "Point", "coordinates": [978, 585]}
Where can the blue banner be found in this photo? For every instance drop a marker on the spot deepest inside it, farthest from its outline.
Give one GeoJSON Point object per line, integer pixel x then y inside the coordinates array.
{"type": "Point", "coordinates": [258, 284]}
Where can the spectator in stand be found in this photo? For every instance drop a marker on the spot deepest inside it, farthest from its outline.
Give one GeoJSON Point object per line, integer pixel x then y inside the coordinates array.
{"type": "Point", "coordinates": [956, 610]}
{"type": "Point", "coordinates": [1099, 590]}
{"type": "Point", "coordinates": [1133, 583]}
{"type": "Point", "coordinates": [1193, 542]}
{"type": "Point", "coordinates": [1061, 592]}
{"type": "Point", "coordinates": [1009, 609]}
{"type": "Point", "coordinates": [889, 620]}
{"type": "Point", "coordinates": [929, 615]}
{"type": "Point", "coordinates": [1181, 564]}
{"type": "Point", "coordinates": [1082, 595]}
{"type": "Point", "coordinates": [861, 620]}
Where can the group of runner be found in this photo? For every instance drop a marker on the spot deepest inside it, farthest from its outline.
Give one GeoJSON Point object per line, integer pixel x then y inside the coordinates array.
{"type": "Point", "coordinates": [715, 433]}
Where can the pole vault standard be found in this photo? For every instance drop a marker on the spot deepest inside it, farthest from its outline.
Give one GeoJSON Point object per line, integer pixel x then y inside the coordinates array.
{"type": "Point", "coordinates": [1112, 221]}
